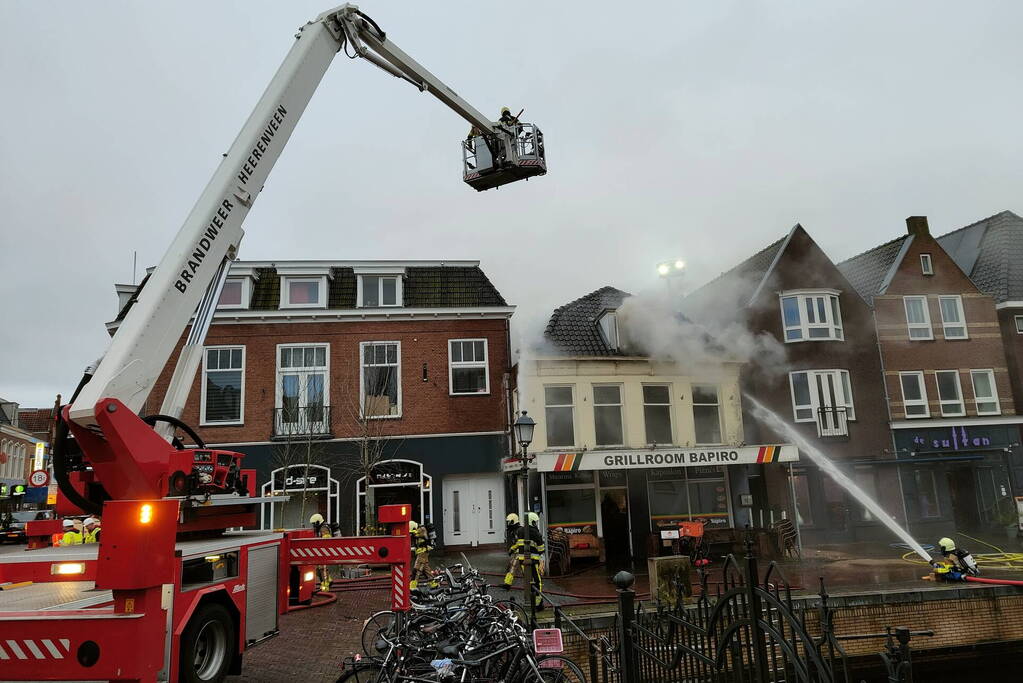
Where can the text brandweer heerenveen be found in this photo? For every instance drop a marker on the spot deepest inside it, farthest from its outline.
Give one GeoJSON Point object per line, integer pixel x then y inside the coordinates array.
{"type": "Point", "coordinates": [202, 247]}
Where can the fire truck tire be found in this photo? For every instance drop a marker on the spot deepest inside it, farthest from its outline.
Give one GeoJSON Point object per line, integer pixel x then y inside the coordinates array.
{"type": "Point", "coordinates": [207, 644]}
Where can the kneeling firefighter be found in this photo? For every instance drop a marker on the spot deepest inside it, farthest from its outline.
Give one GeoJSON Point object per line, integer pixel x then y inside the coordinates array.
{"type": "Point", "coordinates": [421, 546]}
{"type": "Point", "coordinates": [958, 562]}
{"type": "Point", "coordinates": [529, 541]}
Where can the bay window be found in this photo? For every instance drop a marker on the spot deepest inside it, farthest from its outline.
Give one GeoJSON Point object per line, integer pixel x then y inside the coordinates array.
{"type": "Point", "coordinates": [811, 316]}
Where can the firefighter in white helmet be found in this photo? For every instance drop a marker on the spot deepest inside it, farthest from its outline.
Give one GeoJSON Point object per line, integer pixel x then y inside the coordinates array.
{"type": "Point", "coordinates": [72, 533]}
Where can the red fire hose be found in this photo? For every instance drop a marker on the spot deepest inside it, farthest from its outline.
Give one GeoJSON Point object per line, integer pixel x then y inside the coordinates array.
{"type": "Point", "coordinates": [998, 582]}
{"type": "Point", "coordinates": [328, 598]}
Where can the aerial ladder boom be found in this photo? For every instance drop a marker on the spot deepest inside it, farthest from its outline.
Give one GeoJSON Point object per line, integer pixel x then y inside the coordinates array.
{"type": "Point", "coordinates": [188, 279]}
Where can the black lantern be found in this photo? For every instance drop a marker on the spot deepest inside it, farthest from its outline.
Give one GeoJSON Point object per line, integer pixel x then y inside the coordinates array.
{"type": "Point", "coordinates": [524, 426]}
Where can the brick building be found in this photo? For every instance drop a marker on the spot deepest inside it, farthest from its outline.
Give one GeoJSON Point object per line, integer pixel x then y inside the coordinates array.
{"type": "Point", "coordinates": [952, 408]}
{"type": "Point", "coordinates": [349, 384]}
{"type": "Point", "coordinates": [826, 383]}
{"type": "Point", "coordinates": [17, 450]}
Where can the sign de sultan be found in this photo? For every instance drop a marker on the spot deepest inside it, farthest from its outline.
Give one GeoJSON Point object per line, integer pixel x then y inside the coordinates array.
{"type": "Point", "coordinates": [664, 457]}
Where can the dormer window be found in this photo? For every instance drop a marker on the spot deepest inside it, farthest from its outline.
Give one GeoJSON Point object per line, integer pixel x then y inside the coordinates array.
{"type": "Point", "coordinates": [235, 293]}
{"type": "Point", "coordinates": [811, 316]}
{"type": "Point", "coordinates": [237, 290]}
{"type": "Point", "coordinates": [380, 290]}
{"type": "Point", "coordinates": [303, 292]}
{"type": "Point", "coordinates": [379, 286]}
{"type": "Point", "coordinates": [608, 326]}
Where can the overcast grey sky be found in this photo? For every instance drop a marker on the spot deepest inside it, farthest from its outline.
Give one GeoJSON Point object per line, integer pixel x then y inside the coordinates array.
{"type": "Point", "coordinates": [700, 130]}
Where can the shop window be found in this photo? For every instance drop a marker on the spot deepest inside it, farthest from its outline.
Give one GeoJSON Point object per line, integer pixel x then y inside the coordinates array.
{"type": "Point", "coordinates": [950, 393]}
{"type": "Point", "coordinates": [657, 414]}
{"type": "Point", "coordinates": [607, 415]}
{"type": "Point", "coordinates": [804, 511]}
{"type": "Point", "coordinates": [953, 319]}
{"type": "Point", "coordinates": [926, 494]}
{"type": "Point", "coordinates": [223, 386]}
{"type": "Point", "coordinates": [914, 394]}
{"type": "Point", "coordinates": [559, 416]}
{"type": "Point", "coordinates": [866, 479]}
{"type": "Point", "coordinates": [381, 379]}
{"type": "Point", "coordinates": [574, 510]}
{"type": "Point", "coordinates": [984, 392]}
{"type": "Point", "coordinates": [918, 318]}
{"type": "Point", "coordinates": [689, 494]}
{"type": "Point", "coordinates": [811, 316]}
{"type": "Point", "coordinates": [467, 366]}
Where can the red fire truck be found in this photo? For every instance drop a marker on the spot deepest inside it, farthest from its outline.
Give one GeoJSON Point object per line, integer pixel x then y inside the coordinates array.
{"type": "Point", "coordinates": [169, 593]}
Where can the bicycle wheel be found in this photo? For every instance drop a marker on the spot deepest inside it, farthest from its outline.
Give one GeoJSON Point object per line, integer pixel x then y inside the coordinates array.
{"type": "Point", "coordinates": [362, 673]}
{"type": "Point", "coordinates": [558, 669]}
{"type": "Point", "coordinates": [377, 627]}
{"type": "Point", "coordinates": [515, 608]}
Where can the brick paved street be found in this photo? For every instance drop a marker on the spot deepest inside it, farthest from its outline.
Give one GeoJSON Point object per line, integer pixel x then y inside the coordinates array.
{"type": "Point", "coordinates": [314, 642]}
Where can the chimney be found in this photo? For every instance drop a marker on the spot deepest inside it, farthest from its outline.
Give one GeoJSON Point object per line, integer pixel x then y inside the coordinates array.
{"type": "Point", "coordinates": [917, 225]}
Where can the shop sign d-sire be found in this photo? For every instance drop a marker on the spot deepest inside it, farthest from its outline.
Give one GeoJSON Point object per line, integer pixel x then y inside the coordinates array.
{"type": "Point", "coordinates": [611, 460]}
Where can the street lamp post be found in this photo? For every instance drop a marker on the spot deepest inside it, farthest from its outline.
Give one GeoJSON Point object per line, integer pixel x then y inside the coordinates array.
{"type": "Point", "coordinates": [523, 427]}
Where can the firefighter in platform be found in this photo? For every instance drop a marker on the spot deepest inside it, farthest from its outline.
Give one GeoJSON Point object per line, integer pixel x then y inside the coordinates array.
{"type": "Point", "coordinates": [421, 547]}
{"type": "Point", "coordinates": [321, 530]}
{"type": "Point", "coordinates": [529, 542]}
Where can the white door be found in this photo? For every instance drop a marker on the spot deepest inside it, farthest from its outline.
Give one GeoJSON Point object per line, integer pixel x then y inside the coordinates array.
{"type": "Point", "coordinates": [473, 509]}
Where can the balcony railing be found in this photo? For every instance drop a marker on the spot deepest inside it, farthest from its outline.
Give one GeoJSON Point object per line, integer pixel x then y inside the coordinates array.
{"type": "Point", "coordinates": [832, 422]}
{"type": "Point", "coordinates": [301, 422]}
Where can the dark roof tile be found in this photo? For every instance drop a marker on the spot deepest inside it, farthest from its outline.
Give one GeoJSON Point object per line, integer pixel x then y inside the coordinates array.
{"type": "Point", "coordinates": [868, 271]}
{"type": "Point", "coordinates": [990, 251]}
{"type": "Point", "coordinates": [572, 328]}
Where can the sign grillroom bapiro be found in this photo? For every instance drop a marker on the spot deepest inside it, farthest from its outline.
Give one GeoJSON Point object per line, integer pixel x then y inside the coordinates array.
{"type": "Point", "coordinates": [665, 457]}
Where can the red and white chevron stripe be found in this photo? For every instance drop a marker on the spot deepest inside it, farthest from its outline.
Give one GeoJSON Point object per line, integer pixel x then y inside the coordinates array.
{"type": "Point", "coordinates": [312, 552]}
{"type": "Point", "coordinates": [35, 649]}
{"type": "Point", "coordinates": [399, 588]}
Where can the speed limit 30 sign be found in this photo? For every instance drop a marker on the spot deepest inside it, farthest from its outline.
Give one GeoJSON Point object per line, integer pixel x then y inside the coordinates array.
{"type": "Point", "coordinates": [39, 478]}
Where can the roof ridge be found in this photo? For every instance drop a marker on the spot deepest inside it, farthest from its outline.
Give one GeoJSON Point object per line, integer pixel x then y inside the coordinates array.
{"type": "Point", "coordinates": [872, 249]}
{"type": "Point", "coordinates": [982, 220]}
{"type": "Point", "coordinates": [740, 264]}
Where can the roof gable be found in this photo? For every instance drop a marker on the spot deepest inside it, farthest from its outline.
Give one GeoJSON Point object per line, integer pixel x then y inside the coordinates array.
{"type": "Point", "coordinates": [572, 328]}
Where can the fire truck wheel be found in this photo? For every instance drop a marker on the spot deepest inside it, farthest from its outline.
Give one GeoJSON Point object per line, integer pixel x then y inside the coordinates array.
{"type": "Point", "coordinates": [206, 644]}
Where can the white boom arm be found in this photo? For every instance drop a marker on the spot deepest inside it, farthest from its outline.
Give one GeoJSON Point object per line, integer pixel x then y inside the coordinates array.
{"type": "Point", "coordinates": [191, 273]}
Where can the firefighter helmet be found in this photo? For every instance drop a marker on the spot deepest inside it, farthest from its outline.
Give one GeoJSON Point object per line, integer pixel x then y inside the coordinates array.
{"type": "Point", "coordinates": [317, 518]}
{"type": "Point", "coordinates": [412, 526]}
{"type": "Point", "coordinates": [512, 518]}
{"type": "Point", "coordinates": [947, 545]}
{"type": "Point", "coordinates": [532, 518]}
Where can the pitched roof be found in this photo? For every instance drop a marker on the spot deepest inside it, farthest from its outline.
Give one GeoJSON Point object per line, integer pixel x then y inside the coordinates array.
{"type": "Point", "coordinates": [572, 328]}
{"type": "Point", "coordinates": [434, 286]}
{"type": "Point", "coordinates": [35, 419]}
{"type": "Point", "coordinates": [870, 271]}
{"type": "Point", "coordinates": [990, 251]}
{"type": "Point", "coordinates": [742, 281]}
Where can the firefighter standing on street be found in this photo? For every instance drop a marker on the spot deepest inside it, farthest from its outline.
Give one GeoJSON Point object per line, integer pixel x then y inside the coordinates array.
{"type": "Point", "coordinates": [529, 541]}
{"type": "Point", "coordinates": [72, 536]}
{"type": "Point", "coordinates": [321, 530]}
{"type": "Point", "coordinates": [420, 539]}
{"type": "Point", "coordinates": [511, 537]}
{"type": "Point", "coordinates": [91, 531]}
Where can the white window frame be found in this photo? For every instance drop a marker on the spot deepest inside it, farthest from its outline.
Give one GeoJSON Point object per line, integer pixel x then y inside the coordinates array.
{"type": "Point", "coordinates": [926, 325]}
{"type": "Point", "coordinates": [608, 326]}
{"type": "Point", "coordinates": [842, 379]}
{"type": "Point", "coordinates": [832, 315]}
{"type": "Point", "coordinates": [962, 317]}
{"type": "Point", "coordinates": [994, 392]}
{"type": "Point", "coordinates": [721, 421]}
{"type": "Point", "coordinates": [621, 412]}
{"type": "Point", "coordinates": [943, 401]}
{"type": "Point", "coordinates": [325, 369]}
{"type": "Point", "coordinates": [571, 406]}
{"type": "Point", "coordinates": [320, 280]}
{"type": "Point", "coordinates": [362, 379]}
{"type": "Point", "coordinates": [1019, 324]}
{"type": "Point", "coordinates": [485, 364]}
{"type": "Point", "coordinates": [203, 422]}
{"type": "Point", "coordinates": [916, 402]}
{"type": "Point", "coordinates": [399, 290]}
{"type": "Point", "coordinates": [926, 264]}
{"type": "Point", "coordinates": [246, 297]}
{"type": "Point", "coordinates": [668, 405]}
